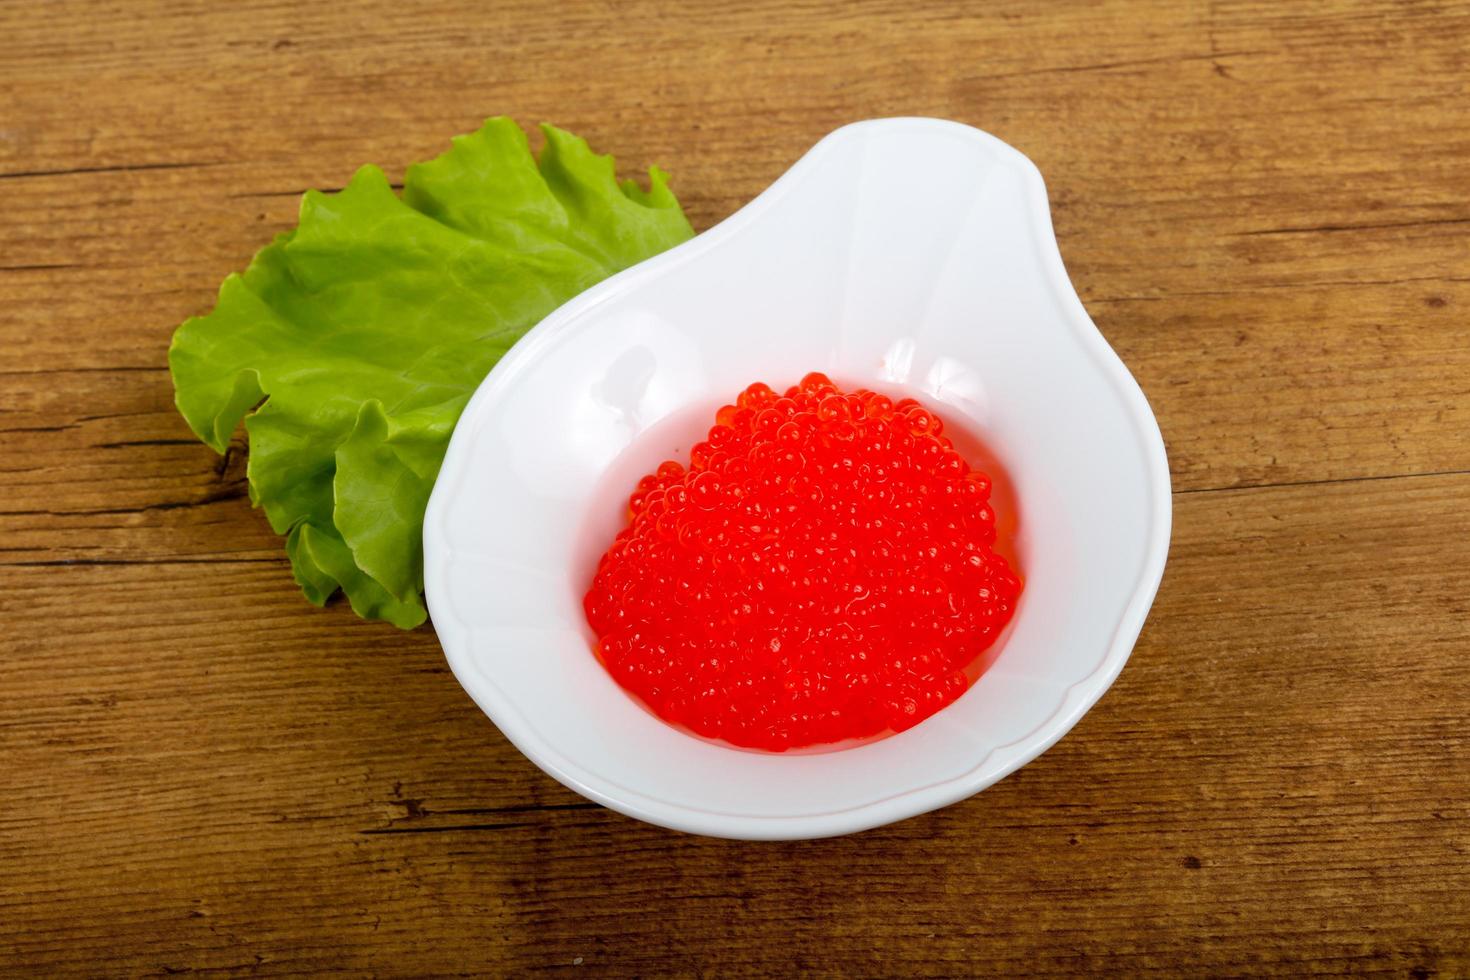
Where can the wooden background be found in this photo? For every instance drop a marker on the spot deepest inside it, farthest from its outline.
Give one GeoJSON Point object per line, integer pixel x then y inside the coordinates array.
{"type": "Point", "coordinates": [1265, 206]}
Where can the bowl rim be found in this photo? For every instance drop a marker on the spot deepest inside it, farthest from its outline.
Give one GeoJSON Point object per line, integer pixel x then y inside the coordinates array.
{"type": "Point", "coordinates": [996, 764]}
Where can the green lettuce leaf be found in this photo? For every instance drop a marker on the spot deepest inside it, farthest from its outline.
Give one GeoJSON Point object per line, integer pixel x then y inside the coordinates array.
{"type": "Point", "coordinates": [350, 345]}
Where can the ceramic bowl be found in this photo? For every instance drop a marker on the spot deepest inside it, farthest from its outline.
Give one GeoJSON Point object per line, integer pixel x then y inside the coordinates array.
{"type": "Point", "coordinates": [914, 255]}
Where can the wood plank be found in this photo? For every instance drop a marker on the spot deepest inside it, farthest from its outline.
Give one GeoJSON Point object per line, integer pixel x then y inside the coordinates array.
{"type": "Point", "coordinates": [1278, 774]}
{"type": "Point", "coordinates": [1231, 188]}
{"type": "Point", "coordinates": [1266, 388]}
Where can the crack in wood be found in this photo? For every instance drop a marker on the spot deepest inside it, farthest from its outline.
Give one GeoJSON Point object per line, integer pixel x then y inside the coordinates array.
{"type": "Point", "coordinates": [1313, 229]}
{"type": "Point", "coordinates": [396, 185]}
{"type": "Point", "coordinates": [147, 442]}
{"type": "Point", "coordinates": [119, 168]}
{"type": "Point", "coordinates": [523, 808]}
{"type": "Point", "coordinates": [1317, 483]}
{"type": "Point", "coordinates": [1258, 287]}
{"type": "Point", "coordinates": [38, 428]}
{"type": "Point", "coordinates": [22, 372]}
{"type": "Point", "coordinates": [417, 812]}
{"type": "Point", "coordinates": [86, 562]}
{"type": "Point", "coordinates": [123, 415]}
{"type": "Point", "coordinates": [451, 828]}
{"type": "Point", "coordinates": [1110, 65]}
{"type": "Point", "coordinates": [230, 492]}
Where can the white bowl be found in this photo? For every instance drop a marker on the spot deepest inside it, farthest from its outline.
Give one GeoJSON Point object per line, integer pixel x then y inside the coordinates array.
{"type": "Point", "coordinates": [911, 254]}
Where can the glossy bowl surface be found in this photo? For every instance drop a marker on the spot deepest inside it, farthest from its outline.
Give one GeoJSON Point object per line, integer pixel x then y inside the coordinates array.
{"type": "Point", "coordinates": [913, 255]}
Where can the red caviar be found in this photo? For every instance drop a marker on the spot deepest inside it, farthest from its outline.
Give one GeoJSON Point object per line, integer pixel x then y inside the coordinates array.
{"type": "Point", "coordinates": [820, 571]}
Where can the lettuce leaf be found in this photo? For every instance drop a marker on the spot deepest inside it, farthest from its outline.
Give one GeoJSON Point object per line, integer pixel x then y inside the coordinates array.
{"type": "Point", "coordinates": [350, 345]}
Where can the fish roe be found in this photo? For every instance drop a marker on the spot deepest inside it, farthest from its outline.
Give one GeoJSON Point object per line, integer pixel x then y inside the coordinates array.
{"type": "Point", "coordinates": [820, 570]}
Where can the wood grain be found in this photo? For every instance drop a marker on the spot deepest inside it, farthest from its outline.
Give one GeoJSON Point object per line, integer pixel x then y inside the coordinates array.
{"type": "Point", "coordinates": [1264, 207]}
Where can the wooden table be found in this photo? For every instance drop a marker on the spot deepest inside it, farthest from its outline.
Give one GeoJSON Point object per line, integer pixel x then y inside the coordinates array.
{"type": "Point", "coordinates": [1265, 207]}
